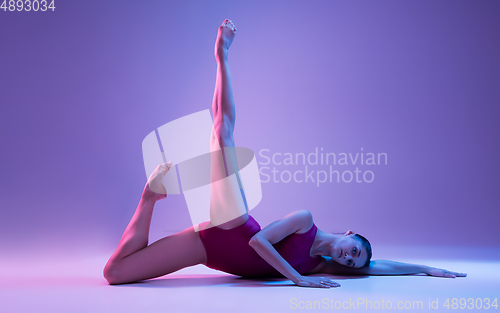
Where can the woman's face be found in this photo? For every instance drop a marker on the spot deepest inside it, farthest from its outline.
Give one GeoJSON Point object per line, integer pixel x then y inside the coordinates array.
{"type": "Point", "coordinates": [349, 251]}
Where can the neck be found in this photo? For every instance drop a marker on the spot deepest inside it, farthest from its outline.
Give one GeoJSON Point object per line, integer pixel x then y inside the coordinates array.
{"type": "Point", "coordinates": [323, 243]}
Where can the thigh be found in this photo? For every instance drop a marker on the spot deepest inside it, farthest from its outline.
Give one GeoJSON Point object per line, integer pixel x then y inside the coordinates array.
{"type": "Point", "coordinates": [227, 200]}
{"type": "Point", "coordinates": [240, 220]}
{"type": "Point", "coordinates": [162, 257]}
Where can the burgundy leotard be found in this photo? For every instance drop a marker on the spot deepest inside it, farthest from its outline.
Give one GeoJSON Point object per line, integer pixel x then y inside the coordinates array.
{"type": "Point", "coordinates": [228, 250]}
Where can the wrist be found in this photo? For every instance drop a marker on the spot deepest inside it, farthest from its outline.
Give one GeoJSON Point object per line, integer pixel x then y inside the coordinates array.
{"type": "Point", "coordinates": [424, 269]}
{"type": "Point", "coordinates": [296, 279]}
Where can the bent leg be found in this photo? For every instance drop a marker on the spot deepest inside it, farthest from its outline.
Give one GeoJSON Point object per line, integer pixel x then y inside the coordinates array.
{"type": "Point", "coordinates": [162, 257]}
{"type": "Point", "coordinates": [134, 260]}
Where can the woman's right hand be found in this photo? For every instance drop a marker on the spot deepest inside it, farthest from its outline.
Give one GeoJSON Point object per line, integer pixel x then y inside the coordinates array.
{"type": "Point", "coordinates": [316, 282]}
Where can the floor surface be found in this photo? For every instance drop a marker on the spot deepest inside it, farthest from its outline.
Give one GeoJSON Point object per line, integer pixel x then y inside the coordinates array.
{"type": "Point", "coordinates": [78, 286]}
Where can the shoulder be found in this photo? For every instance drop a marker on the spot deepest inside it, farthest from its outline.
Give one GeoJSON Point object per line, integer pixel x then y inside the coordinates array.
{"type": "Point", "coordinates": [303, 219]}
{"type": "Point", "coordinates": [295, 222]}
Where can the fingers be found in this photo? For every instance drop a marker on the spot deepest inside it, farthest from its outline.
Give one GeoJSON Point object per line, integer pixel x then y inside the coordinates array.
{"type": "Point", "coordinates": [320, 285]}
{"type": "Point", "coordinates": [318, 282]}
{"type": "Point", "coordinates": [330, 285]}
{"type": "Point", "coordinates": [456, 274]}
{"type": "Point", "coordinates": [326, 283]}
{"type": "Point", "coordinates": [448, 274]}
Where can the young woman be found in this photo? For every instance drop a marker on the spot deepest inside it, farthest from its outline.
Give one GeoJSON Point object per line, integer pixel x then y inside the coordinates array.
{"type": "Point", "coordinates": [232, 241]}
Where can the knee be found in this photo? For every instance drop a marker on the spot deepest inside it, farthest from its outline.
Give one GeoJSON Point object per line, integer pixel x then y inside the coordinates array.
{"type": "Point", "coordinates": [110, 273]}
{"type": "Point", "coordinates": [223, 141]}
{"type": "Point", "coordinates": [224, 135]}
{"type": "Point", "coordinates": [226, 141]}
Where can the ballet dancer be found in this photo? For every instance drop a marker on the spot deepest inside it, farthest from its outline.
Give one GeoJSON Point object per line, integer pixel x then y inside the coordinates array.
{"type": "Point", "coordinates": [232, 241]}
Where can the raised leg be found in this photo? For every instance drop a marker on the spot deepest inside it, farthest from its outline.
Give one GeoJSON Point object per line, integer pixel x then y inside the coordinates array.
{"type": "Point", "coordinates": [134, 260]}
{"type": "Point", "coordinates": [227, 202]}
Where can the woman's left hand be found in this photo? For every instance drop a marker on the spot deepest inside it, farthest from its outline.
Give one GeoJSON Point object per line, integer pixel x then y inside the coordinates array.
{"type": "Point", "coordinates": [438, 272]}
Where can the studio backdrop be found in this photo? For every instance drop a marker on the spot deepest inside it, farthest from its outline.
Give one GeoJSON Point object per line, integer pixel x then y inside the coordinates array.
{"type": "Point", "coordinates": [377, 116]}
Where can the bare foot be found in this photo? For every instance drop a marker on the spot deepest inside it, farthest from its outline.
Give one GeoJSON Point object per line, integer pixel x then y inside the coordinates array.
{"type": "Point", "coordinates": [224, 39]}
{"type": "Point", "coordinates": [154, 187]}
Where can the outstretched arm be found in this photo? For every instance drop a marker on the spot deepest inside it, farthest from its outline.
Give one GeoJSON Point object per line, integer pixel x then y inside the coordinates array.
{"type": "Point", "coordinates": [386, 267]}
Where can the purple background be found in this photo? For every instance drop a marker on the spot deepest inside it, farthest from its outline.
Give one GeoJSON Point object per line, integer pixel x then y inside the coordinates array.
{"type": "Point", "coordinates": [82, 86]}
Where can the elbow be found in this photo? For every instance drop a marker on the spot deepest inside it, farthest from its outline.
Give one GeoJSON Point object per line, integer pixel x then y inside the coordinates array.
{"type": "Point", "coordinates": [254, 241]}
